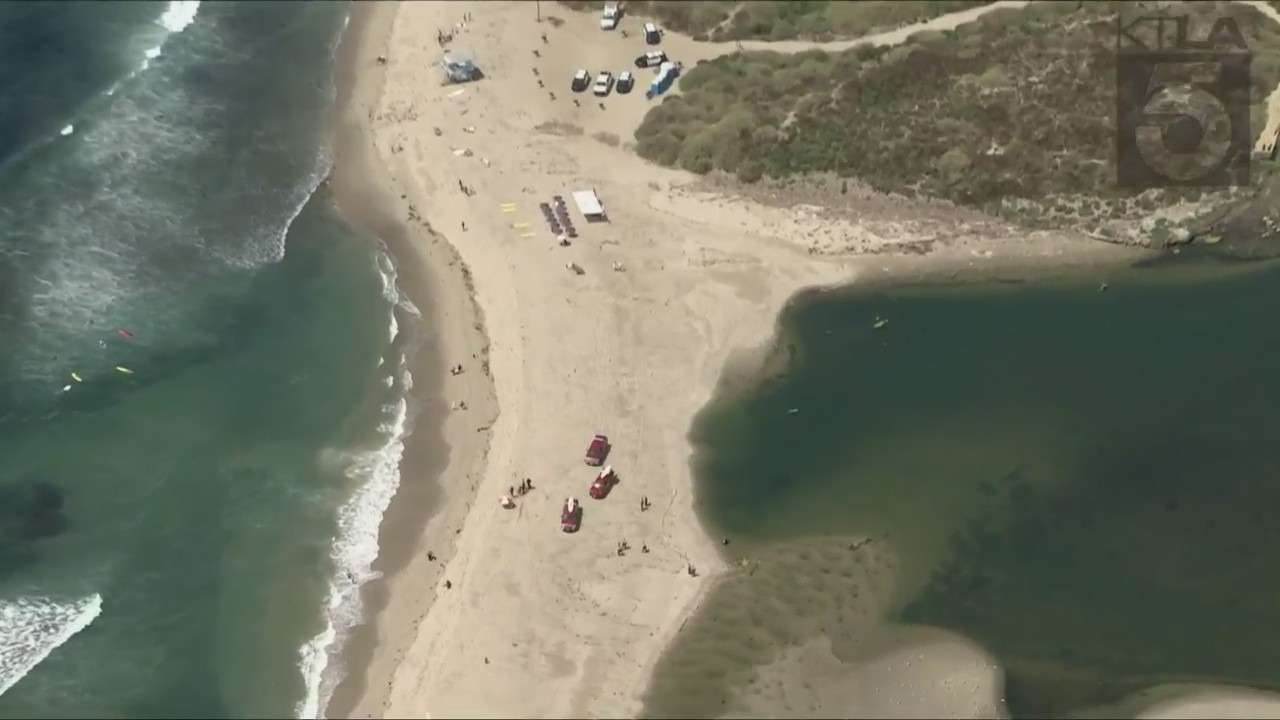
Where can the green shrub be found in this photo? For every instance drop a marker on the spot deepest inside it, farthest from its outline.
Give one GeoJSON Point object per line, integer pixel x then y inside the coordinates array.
{"type": "Point", "coordinates": [1020, 108]}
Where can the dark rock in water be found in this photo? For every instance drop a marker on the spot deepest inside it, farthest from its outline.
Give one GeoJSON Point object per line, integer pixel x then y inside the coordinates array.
{"type": "Point", "coordinates": [46, 498]}
{"type": "Point", "coordinates": [30, 510]}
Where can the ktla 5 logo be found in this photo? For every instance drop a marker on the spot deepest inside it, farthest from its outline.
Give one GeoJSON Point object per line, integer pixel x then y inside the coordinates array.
{"type": "Point", "coordinates": [1182, 104]}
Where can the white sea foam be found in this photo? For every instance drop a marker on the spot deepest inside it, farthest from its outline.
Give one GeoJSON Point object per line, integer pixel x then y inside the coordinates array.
{"type": "Point", "coordinates": [32, 628]}
{"type": "Point", "coordinates": [387, 272]}
{"type": "Point", "coordinates": [274, 252]}
{"type": "Point", "coordinates": [177, 16]}
{"type": "Point", "coordinates": [355, 547]}
{"type": "Point", "coordinates": [354, 550]}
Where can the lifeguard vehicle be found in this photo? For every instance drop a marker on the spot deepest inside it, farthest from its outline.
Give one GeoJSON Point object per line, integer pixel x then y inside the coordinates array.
{"type": "Point", "coordinates": [603, 483]}
{"type": "Point", "coordinates": [571, 516]}
{"type": "Point", "coordinates": [597, 451]}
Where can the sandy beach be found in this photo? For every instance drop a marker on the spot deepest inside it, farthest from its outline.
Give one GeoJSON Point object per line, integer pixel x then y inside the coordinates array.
{"type": "Point", "coordinates": [493, 612]}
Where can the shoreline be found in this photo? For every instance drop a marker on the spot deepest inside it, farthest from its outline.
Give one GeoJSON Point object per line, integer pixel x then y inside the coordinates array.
{"type": "Point", "coordinates": [425, 652]}
{"type": "Point", "coordinates": [426, 276]}
{"type": "Point", "coordinates": [408, 657]}
{"type": "Point", "coordinates": [537, 624]}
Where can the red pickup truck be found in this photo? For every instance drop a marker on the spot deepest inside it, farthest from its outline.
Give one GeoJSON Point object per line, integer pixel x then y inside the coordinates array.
{"type": "Point", "coordinates": [598, 450]}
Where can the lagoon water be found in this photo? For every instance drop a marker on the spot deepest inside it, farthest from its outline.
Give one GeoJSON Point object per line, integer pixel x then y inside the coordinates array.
{"type": "Point", "coordinates": [202, 379]}
{"type": "Point", "coordinates": [1086, 483]}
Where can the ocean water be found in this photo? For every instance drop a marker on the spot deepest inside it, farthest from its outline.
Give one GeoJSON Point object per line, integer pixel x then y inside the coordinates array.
{"type": "Point", "coordinates": [202, 384]}
{"type": "Point", "coordinates": [1085, 483]}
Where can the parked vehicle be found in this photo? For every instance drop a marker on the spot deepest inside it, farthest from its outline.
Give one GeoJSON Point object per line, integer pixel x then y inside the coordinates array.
{"type": "Point", "coordinates": [571, 516]}
{"type": "Point", "coordinates": [626, 81]}
{"type": "Point", "coordinates": [610, 17]}
{"type": "Point", "coordinates": [581, 80]}
{"type": "Point", "coordinates": [598, 450]}
{"type": "Point", "coordinates": [603, 483]}
{"type": "Point", "coordinates": [652, 58]}
{"type": "Point", "coordinates": [652, 35]}
{"type": "Point", "coordinates": [604, 83]}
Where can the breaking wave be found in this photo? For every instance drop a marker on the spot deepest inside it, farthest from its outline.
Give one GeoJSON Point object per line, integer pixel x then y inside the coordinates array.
{"type": "Point", "coordinates": [32, 628]}
{"type": "Point", "coordinates": [177, 16]}
{"type": "Point", "coordinates": [355, 548]}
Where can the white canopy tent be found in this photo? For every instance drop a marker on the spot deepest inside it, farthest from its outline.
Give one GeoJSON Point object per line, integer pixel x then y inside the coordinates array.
{"type": "Point", "coordinates": [589, 204]}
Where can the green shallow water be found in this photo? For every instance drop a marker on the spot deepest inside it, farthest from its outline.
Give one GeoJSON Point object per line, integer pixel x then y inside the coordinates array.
{"type": "Point", "coordinates": [1086, 483]}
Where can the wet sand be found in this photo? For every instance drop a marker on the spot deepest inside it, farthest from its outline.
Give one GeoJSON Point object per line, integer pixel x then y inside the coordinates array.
{"type": "Point", "coordinates": [430, 504]}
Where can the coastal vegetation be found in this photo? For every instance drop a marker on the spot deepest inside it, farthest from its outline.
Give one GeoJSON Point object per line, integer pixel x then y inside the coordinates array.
{"type": "Point", "coordinates": [1012, 114]}
{"type": "Point", "coordinates": [728, 20]}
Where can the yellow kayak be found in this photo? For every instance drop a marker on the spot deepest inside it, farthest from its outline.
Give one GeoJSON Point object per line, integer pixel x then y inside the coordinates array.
{"type": "Point", "coordinates": [76, 377]}
{"type": "Point", "coordinates": [125, 370]}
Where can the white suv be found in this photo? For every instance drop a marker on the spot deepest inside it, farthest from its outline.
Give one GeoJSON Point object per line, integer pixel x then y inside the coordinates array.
{"type": "Point", "coordinates": [604, 83]}
{"type": "Point", "coordinates": [609, 18]}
